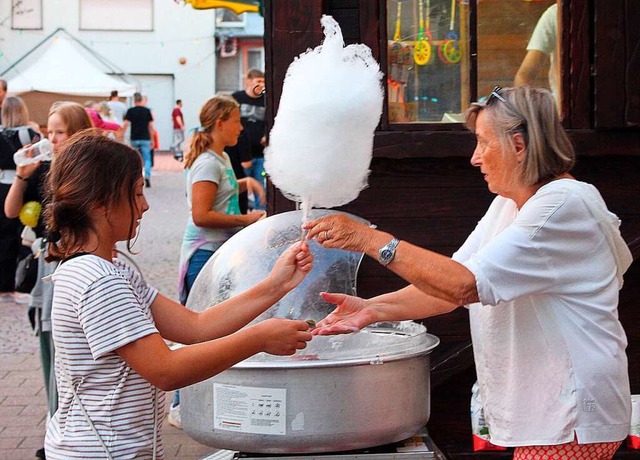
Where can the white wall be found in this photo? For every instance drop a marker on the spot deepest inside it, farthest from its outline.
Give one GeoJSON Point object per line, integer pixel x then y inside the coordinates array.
{"type": "Point", "coordinates": [178, 31]}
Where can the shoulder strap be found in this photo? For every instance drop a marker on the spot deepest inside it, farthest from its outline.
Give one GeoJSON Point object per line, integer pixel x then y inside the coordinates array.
{"type": "Point", "coordinates": [24, 136]}
{"type": "Point", "coordinates": [93, 427]}
{"type": "Point", "coordinates": [84, 411]}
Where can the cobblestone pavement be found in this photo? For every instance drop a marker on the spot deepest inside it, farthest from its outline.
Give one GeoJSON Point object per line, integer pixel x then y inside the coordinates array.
{"type": "Point", "coordinates": [22, 394]}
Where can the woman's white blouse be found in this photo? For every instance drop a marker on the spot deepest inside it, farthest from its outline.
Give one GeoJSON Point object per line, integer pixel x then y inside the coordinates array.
{"type": "Point", "coordinates": [549, 349]}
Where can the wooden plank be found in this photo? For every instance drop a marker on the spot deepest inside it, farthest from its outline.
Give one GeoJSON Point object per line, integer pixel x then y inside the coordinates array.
{"type": "Point", "coordinates": [577, 106]}
{"type": "Point", "coordinates": [417, 144]}
{"type": "Point", "coordinates": [609, 60]}
{"type": "Point", "coordinates": [291, 27]}
{"type": "Point", "coordinates": [294, 27]}
{"type": "Point", "coordinates": [632, 76]}
{"type": "Point", "coordinates": [341, 4]}
{"type": "Point", "coordinates": [349, 21]}
{"type": "Point", "coordinates": [458, 202]}
{"type": "Point", "coordinates": [460, 142]}
{"type": "Point", "coordinates": [414, 173]}
{"type": "Point", "coordinates": [605, 143]}
{"type": "Point", "coordinates": [373, 20]}
{"type": "Point", "coordinates": [371, 27]}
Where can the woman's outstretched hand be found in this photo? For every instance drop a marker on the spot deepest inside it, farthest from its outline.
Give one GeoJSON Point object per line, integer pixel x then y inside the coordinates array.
{"type": "Point", "coordinates": [291, 267]}
{"type": "Point", "coordinates": [350, 315]}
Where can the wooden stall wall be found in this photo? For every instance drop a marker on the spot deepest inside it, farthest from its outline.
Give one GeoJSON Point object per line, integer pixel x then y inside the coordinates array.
{"type": "Point", "coordinates": [423, 189]}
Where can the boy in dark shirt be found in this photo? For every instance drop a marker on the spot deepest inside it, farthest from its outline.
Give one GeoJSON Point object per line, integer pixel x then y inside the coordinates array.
{"type": "Point", "coordinates": [250, 148]}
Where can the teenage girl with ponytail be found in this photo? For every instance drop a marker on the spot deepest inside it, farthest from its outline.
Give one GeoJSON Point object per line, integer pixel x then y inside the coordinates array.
{"type": "Point", "coordinates": [213, 197]}
{"type": "Point", "coordinates": [212, 189]}
{"type": "Point", "coordinates": [110, 328]}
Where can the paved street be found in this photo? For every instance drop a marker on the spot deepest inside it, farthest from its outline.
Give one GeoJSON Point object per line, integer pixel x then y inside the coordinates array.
{"type": "Point", "coordinates": [22, 394]}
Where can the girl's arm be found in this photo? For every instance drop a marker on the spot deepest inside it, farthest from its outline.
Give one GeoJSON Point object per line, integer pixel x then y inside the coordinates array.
{"type": "Point", "coordinates": [171, 369]}
{"type": "Point", "coordinates": [15, 197]}
{"type": "Point", "coordinates": [178, 324]}
{"type": "Point", "coordinates": [203, 195]}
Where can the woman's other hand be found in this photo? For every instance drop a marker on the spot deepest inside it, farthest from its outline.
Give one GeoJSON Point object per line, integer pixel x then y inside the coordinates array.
{"type": "Point", "coordinates": [291, 267]}
{"type": "Point", "coordinates": [283, 336]}
{"type": "Point", "coordinates": [350, 315]}
{"type": "Point", "coordinates": [338, 231]}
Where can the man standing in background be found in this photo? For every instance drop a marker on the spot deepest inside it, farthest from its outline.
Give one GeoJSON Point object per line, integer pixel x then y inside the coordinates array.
{"type": "Point", "coordinates": [141, 121]}
{"type": "Point", "coordinates": [250, 148]}
{"type": "Point", "coordinates": [178, 130]}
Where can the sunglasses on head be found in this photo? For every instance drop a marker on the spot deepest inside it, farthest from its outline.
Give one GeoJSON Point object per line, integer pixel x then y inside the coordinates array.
{"type": "Point", "coordinates": [495, 96]}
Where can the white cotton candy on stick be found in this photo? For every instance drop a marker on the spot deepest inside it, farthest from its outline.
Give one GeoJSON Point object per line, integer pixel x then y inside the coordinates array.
{"type": "Point", "coordinates": [321, 143]}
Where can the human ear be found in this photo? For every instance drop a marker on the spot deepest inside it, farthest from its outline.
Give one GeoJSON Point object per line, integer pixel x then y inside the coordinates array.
{"type": "Point", "coordinates": [520, 145]}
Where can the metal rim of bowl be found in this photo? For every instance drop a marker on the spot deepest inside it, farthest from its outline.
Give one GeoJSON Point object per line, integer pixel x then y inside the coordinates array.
{"type": "Point", "coordinates": [289, 363]}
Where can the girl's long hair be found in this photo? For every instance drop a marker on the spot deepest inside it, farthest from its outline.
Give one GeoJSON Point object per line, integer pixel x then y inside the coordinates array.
{"type": "Point", "coordinates": [73, 115]}
{"type": "Point", "coordinates": [89, 171]}
{"type": "Point", "coordinates": [219, 107]}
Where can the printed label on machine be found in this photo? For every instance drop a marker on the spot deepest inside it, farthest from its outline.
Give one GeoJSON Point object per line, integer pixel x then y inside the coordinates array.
{"type": "Point", "coordinates": [249, 409]}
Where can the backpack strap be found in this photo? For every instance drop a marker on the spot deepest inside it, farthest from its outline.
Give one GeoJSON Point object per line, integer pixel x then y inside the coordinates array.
{"type": "Point", "coordinates": [24, 135]}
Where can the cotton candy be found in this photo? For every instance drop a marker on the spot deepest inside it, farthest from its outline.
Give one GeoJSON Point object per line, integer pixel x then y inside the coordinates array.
{"type": "Point", "coordinates": [321, 143]}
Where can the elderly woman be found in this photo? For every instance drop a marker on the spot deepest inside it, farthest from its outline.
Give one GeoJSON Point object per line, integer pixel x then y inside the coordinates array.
{"type": "Point", "coordinates": [540, 275]}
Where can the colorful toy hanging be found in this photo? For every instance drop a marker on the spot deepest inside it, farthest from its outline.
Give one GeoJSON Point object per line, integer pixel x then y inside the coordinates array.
{"type": "Point", "coordinates": [422, 49]}
{"type": "Point", "coordinates": [449, 51]}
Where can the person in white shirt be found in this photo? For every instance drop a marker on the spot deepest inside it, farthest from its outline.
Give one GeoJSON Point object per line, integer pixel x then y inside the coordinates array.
{"type": "Point", "coordinates": [112, 363]}
{"type": "Point", "coordinates": [540, 276]}
{"type": "Point", "coordinates": [542, 48]}
{"type": "Point", "coordinates": [118, 108]}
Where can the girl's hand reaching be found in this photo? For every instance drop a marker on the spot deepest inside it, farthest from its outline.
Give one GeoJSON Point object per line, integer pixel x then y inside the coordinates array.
{"type": "Point", "coordinates": [351, 315]}
{"type": "Point", "coordinates": [291, 267]}
{"type": "Point", "coordinates": [282, 336]}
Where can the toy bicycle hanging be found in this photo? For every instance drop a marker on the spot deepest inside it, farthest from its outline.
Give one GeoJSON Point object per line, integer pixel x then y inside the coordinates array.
{"type": "Point", "coordinates": [449, 50]}
{"type": "Point", "coordinates": [422, 49]}
{"type": "Point", "coordinates": [400, 52]}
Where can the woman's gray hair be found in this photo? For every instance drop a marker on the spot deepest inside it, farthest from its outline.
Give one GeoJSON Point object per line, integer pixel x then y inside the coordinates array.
{"type": "Point", "coordinates": [533, 113]}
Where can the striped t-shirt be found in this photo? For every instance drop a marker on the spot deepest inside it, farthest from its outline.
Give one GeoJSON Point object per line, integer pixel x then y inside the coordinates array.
{"type": "Point", "coordinates": [99, 307]}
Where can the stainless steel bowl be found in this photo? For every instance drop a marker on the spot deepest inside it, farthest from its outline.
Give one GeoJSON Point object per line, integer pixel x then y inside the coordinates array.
{"type": "Point", "coordinates": [340, 393]}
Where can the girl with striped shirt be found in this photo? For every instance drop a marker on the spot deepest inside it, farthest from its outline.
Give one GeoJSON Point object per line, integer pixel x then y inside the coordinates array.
{"type": "Point", "coordinates": [109, 326]}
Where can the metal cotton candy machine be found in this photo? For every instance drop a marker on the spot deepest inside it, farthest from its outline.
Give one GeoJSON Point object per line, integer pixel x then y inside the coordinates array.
{"type": "Point", "coordinates": [340, 393]}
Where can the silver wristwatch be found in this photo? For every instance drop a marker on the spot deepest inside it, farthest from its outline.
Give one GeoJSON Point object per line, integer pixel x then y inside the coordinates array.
{"type": "Point", "coordinates": [388, 252]}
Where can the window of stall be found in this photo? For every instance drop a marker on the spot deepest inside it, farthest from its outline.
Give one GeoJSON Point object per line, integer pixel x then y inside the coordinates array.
{"type": "Point", "coordinates": [439, 59]}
